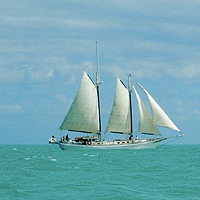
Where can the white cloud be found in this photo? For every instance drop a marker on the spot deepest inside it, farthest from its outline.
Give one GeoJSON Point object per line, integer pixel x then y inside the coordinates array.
{"type": "Point", "coordinates": [63, 98]}
{"type": "Point", "coordinates": [11, 75]}
{"type": "Point", "coordinates": [197, 114]}
{"type": "Point", "coordinates": [146, 46]}
{"type": "Point", "coordinates": [116, 71]}
{"type": "Point", "coordinates": [10, 108]}
{"type": "Point", "coordinates": [40, 73]}
{"type": "Point", "coordinates": [189, 72]}
{"type": "Point", "coordinates": [134, 40]}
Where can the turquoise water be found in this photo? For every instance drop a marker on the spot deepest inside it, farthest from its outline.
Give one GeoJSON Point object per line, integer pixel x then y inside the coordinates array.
{"type": "Point", "coordinates": [46, 172]}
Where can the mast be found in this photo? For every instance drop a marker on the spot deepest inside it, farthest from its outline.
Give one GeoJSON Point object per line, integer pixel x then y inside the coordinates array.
{"type": "Point", "coordinates": [97, 72]}
{"type": "Point", "coordinates": [129, 90]}
{"type": "Point", "coordinates": [98, 82]}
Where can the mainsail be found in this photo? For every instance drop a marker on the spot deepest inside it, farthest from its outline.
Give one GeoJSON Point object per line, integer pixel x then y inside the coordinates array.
{"type": "Point", "coordinates": [160, 118]}
{"type": "Point", "coordinates": [120, 118]}
{"type": "Point", "coordinates": [146, 124]}
{"type": "Point", "coordinates": [83, 114]}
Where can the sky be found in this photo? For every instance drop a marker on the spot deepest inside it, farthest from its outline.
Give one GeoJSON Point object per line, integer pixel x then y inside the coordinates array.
{"type": "Point", "coordinates": [46, 45]}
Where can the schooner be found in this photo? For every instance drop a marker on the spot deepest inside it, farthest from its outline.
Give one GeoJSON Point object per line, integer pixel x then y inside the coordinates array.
{"type": "Point", "coordinates": [84, 116]}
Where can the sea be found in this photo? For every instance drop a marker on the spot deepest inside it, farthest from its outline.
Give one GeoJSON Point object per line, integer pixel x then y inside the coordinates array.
{"type": "Point", "coordinates": [47, 172]}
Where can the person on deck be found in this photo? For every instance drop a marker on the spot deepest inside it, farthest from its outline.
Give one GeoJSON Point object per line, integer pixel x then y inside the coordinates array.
{"type": "Point", "coordinates": [67, 137]}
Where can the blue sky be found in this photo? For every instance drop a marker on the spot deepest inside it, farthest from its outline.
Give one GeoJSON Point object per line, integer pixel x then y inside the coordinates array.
{"type": "Point", "coordinates": [45, 45]}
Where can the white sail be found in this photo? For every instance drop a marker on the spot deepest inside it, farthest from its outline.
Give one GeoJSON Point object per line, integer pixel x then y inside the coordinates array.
{"type": "Point", "coordinates": [120, 118]}
{"type": "Point", "coordinates": [145, 120]}
{"type": "Point", "coordinates": [83, 114]}
{"type": "Point", "coordinates": [159, 116]}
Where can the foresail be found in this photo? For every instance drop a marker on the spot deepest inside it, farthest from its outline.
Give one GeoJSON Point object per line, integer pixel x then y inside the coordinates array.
{"type": "Point", "coordinates": [120, 118]}
{"type": "Point", "coordinates": [83, 114]}
{"type": "Point", "coordinates": [159, 116]}
{"type": "Point", "coordinates": [145, 120]}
